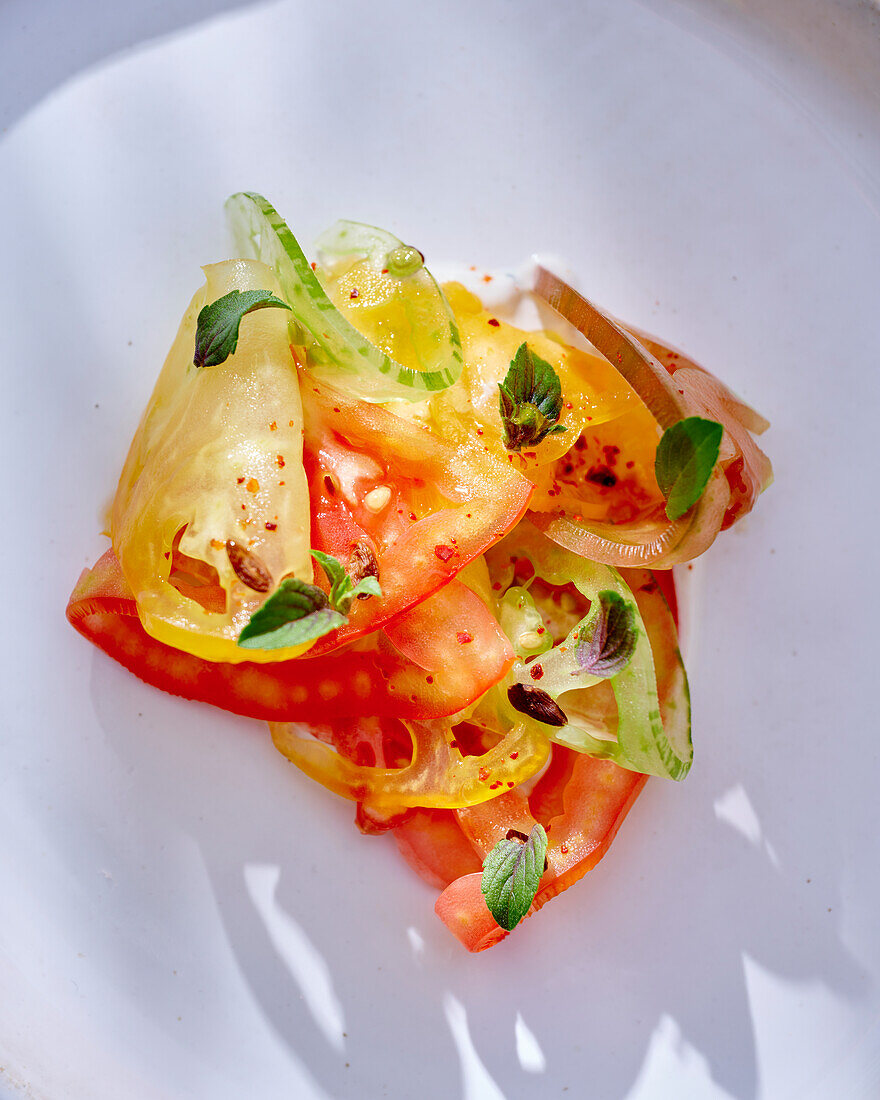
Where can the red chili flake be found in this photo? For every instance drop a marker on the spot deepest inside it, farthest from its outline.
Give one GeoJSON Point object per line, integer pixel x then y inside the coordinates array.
{"type": "Point", "coordinates": [536, 672]}
{"type": "Point", "coordinates": [510, 782]}
{"type": "Point", "coordinates": [463, 637]}
{"type": "Point", "coordinates": [240, 480]}
{"type": "Point", "coordinates": [282, 482]}
{"type": "Point", "coordinates": [611, 452]}
{"type": "Point", "coordinates": [384, 270]}
{"type": "Point", "coordinates": [429, 679]}
{"type": "Point", "coordinates": [541, 630]}
{"type": "Point", "coordinates": [496, 587]}
{"type": "Point", "coordinates": [314, 266]}
{"type": "Point", "coordinates": [453, 744]}
{"type": "Point", "coordinates": [494, 786]}
{"type": "Point", "coordinates": [681, 392]}
{"type": "Point", "coordinates": [630, 465]}
{"type": "Point", "coordinates": [290, 423]}
{"type": "Point", "coordinates": [336, 408]}
{"type": "Point", "coordinates": [273, 427]}
{"type": "Point", "coordinates": [271, 526]}
{"type": "Point", "coordinates": [487, 279]}
{"type": "Point", "coordinates": [564, 849]}
{"type": "Point", "coordinates": [569, 405]}
{"type": "Point", "coordinates": [244, 507]}
{"type": "Point", "coordinates": [514, 755]}
{"type": "Point", "coordinates": [494, 323]}
{"type": "Point", "coordinates": [167, 553]}
{"type": "Point", "coordinates": [469, 515]}
{"type": "Point", "coordinates": [483, 774]}
{"type": "Point", "coordinates": [412, 516]}
{"type": "Point", "coordinates": [444, 553]}
{"type": "Point", "coordinates": [354, 292]}
{"type": "Point", "coordinates": [479, 431]}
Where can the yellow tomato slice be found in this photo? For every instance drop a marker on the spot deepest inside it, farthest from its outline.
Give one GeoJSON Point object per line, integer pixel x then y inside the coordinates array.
{"type": "Point", "coordinates": [217, 459]}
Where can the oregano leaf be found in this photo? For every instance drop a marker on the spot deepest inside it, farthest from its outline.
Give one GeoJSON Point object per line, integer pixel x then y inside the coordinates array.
{"type": "Point", "coordinates": [611, 641]}
{"type": "Point", "coordinates": [218, 323]}
{"type": "Point", "coordinates": [511, 875]}
{"type": "Point", "coordinates": [529, 400]}
{"type": "Point", "coordinates": [686, 455]}
{"type": "Point", "coordinates": [296, 612]}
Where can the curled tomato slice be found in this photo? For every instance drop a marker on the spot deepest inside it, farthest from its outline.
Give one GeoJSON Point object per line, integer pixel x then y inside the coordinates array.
{"type": "Point", "coordinates": [416, 668]}
{"type": "Point", "coordinates": [438, 775]}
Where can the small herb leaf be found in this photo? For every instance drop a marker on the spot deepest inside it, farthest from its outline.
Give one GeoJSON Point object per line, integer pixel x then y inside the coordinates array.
{"type": "Point", "coordinates": [218, 323]}
{"type": "Point", "coordinates": [530, 400]}
{"type": "Point", "coordinates": [612, 641]}
{"type": "Point", "coordinates": [342, 588]}
{"type": "Point", "coordinates": [296, 612]}
{"type": "Point", "coordinates": [511, 875]}
{"type": "Point", "coordinates": [333, 567]}
{"type": "Point", "coordinates": [686, 455]}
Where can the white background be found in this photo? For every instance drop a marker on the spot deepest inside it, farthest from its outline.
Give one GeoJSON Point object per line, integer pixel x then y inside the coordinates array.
{"type": "Point", "coordinates": [184, 916]}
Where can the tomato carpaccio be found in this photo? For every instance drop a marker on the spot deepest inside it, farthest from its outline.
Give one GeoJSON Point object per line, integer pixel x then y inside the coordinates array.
{"type": "Point", "coordinates": [372, 677]}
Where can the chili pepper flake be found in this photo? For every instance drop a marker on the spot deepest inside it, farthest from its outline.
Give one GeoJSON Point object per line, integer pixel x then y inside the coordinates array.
{"type": "Point", "coordinates": [273, 427]}
{"type": "Point", "coordinates": [271, 526]}
{"type": "Point", "coordinates": [492, 321]}
{"type": "Point", "coordinates": [463, 637]}
{"type": "Point", "coordinates": [444, 553]}
{"type": "Point", "coordinates": [536, 672]}
{"type": "Point", "coordinates": [240, 480]}
{"type": "Point", "coordinates": [483, 774]}
{"type": "Point", "coordinates": [279, 459]}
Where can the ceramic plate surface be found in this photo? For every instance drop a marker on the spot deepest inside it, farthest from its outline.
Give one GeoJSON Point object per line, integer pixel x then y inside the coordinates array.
{"type": "Point", "coordinates": [181, 914]}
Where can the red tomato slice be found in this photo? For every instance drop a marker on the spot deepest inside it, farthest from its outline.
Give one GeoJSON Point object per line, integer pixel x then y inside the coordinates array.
{"type": "Point", "coordinates": [422, 510]}
{"type": "Point", "coordinates": [596, 795]}
{"type": "Point", "coordinates": [374, 677]}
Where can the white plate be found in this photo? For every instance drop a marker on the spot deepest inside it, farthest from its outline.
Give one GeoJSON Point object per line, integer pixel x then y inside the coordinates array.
{"type": "Point", "coordinates": [180, 914]}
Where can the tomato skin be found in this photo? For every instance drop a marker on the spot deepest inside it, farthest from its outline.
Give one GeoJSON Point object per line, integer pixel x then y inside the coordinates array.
{"type": "Point", "coordinates": [432, 843]}
{"type": "Point", "coordinates": [372, 679]}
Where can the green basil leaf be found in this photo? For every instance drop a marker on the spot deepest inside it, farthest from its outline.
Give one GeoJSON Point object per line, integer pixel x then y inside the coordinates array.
{"type": "Point", "coordinates": [511, 875]}
{"type": "Point", "coordinates": [686, 456]}
{"type": "Point", "coordinates": [612, 639]}
{"type": "Point", "coordinates": [529, 400]}
{"type": "Point", "coordinates": [333, 567]}
{"type": "Point", "coordinates": [218, 323]}
{"type": "Point", "coordinates": [368, 586]}
{"type": "Point", "coordinates": [296, 612]}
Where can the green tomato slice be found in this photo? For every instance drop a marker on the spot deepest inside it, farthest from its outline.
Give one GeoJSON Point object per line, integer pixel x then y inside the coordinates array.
{"type": "Point", "coordinates": [639, 717]}
{"type": "Point", "coordinates": [336, 350]}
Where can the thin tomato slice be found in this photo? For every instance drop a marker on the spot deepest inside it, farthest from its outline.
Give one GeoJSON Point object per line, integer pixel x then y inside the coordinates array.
{"type": "Point", "coordinates": [596, 797]}
{"type": "Point", "coordinates": [373, 677]}
{"type": "Point", "coordinates": [415, 504]}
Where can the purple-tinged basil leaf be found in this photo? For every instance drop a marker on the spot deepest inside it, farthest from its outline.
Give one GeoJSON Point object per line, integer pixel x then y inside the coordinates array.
{"type": "Point", "coordinates": [612, 641]}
